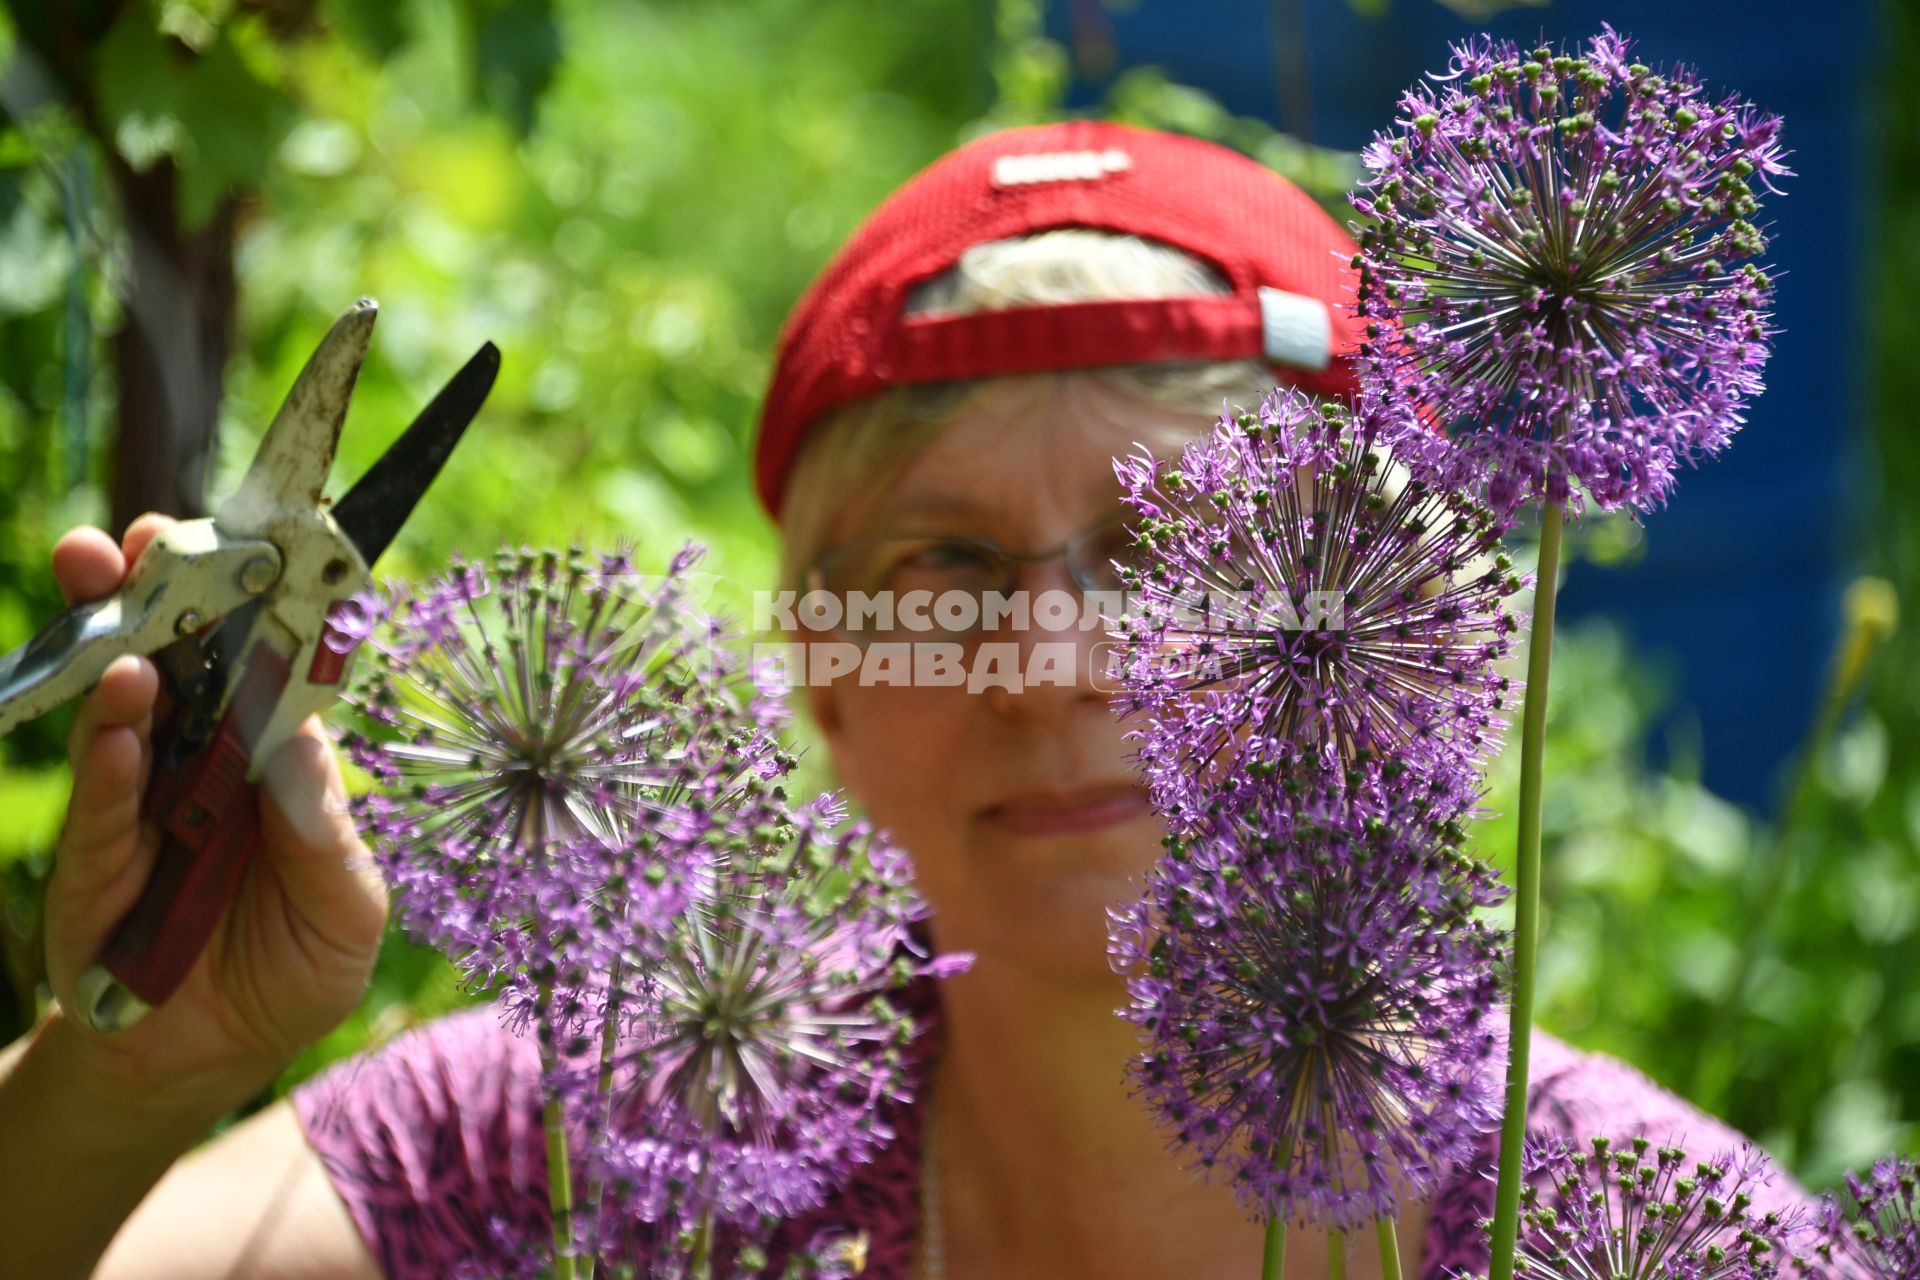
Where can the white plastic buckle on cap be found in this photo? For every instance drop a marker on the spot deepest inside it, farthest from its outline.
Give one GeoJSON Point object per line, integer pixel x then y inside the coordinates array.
{"type": "Point", "coordinates": [1295, 330]}
{"type": "Point", "coordinates": [1059, 166]}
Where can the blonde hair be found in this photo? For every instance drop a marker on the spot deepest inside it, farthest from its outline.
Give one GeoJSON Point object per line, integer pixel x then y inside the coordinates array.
{"type": "Point", "coordinates": [864, 444]}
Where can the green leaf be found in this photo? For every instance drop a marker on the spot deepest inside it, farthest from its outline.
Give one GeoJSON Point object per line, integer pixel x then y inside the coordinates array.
{"type": "Point", "coordinates": [516, 50]}
{"type": "Point", "coordinates": [135, 80]}
{"type": "Point", "coordinates": [210, 112]}
{"type": "Point", "coordinates": [236, 123]}
{"type": "Point", "coordinates": [378, 26]}
{"type": "Point", "coordinates": [196, 23]}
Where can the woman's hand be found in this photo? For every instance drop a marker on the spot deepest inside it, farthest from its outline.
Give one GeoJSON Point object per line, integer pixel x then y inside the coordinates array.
{"type": "Point", "coordinates": [292, 954]}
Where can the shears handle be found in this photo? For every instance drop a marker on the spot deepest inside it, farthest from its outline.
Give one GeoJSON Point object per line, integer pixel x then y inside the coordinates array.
{"type": "Point", "coordinates": [209, 819]}
{"type": "Point", "coordinates": [189, 575]}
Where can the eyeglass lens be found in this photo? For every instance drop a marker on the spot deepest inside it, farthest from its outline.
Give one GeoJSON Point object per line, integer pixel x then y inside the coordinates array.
{"type": "Point", "coordinates": [972, 566]}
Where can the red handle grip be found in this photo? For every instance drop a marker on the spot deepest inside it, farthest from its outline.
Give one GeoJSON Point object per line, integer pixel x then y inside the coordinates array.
{"type": "Point", "coordinates": [209, 818]}
{"type": "Point", "coordinates": [205, 845]}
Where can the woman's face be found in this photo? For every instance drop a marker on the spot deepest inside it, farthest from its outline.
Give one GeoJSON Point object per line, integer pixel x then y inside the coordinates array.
{"type": "Point", "coordinates": [1023, 811]}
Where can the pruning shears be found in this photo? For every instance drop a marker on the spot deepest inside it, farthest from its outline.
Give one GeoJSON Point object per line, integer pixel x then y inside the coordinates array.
{"type": "Point", "coordinates": [247, 615]}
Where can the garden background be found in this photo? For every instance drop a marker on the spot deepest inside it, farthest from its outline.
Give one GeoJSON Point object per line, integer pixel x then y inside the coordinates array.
{"type": "Point", "coordinates": [626, 197]}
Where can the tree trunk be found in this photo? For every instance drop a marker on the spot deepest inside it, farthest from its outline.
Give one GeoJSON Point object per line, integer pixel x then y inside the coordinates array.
{"type": "Point", "coordinates": [171, 350]}
{"type": "Point", "coordinates": [170, 353]}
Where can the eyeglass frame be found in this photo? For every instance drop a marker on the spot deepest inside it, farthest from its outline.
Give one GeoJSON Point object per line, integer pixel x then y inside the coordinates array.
{"type": "Point", "coordinates": [1082, 580]}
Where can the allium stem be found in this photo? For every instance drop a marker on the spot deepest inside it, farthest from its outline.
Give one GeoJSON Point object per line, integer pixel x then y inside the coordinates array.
{"type": "Point", "coordinates": [1336, 1255]}
{"type": "Point", "coordinates": [560, 1188]}
{"type": "Point", "coordinates": [702, 1261]}
{"type": "Point", "coordinates": [603, 1095]}
{"type": "Point", "coordinates": [1389, 1250]}
{"type": "Point", "coordinates": [559, 1161]}
{"type": "Point", "coordinates": [1526, 894]}
{"type": "Point", "coordinates": [700, 1265]}
{"type": "Point", "coordinates": [1273, 1262]}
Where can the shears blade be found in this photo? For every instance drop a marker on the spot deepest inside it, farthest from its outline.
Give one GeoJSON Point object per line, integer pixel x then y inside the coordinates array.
{"type": "Point", "coordinates": [371, 513]}
{"type": "Point", "coordinates": [291, 465]}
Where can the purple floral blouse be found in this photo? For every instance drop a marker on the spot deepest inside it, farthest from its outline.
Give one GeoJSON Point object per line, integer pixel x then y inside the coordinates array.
{"type": "Point", "coordinates": [436, 1145]}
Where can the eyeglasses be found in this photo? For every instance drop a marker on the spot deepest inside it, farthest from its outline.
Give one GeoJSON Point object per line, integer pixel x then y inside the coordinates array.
{"type": "Point", "coordinates": [952, 568]}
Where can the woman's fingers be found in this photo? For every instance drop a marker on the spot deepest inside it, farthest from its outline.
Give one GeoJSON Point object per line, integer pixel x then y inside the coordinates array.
{"type": "Point", "coordinates": [141, 532]}
{"type": "Point", "coordinates": [104, 854]}
{"type": "Point", "coordinates": [87, 564]}
{"type": "Point", "coordinates": [122, 700]}
{"type": "Point", "coordinates": [328, 874]}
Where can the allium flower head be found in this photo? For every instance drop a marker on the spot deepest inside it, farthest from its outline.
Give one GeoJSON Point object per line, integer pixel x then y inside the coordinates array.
{"type": "Point", "coordinates": [1560, 269]}
{"type": "Point", "coordinates": [1874, 1232]}
{"type": "Point", "coordinates": [761, 1040]}
{"type": "Point", "coordinates": [540, 735]}
{"type": "Point", "coordinates": [1299, 601]}
{"type": "Point", "coordinates": [1318, 1005]}
{"type": "Point", "coordinates": [1634, 1212]}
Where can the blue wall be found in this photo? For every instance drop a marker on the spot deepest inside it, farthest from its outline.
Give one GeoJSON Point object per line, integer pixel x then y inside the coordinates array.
{"type": "Point", "coordinates": [1736, 594]}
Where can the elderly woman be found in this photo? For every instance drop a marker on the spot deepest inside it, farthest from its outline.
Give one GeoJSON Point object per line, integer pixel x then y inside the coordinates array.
{"type": "Point", "coordinates": [949, 396]}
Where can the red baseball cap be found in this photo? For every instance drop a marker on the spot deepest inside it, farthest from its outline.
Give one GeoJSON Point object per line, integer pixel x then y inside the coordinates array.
{"type": "Point", "coordinates": [1287, 263]}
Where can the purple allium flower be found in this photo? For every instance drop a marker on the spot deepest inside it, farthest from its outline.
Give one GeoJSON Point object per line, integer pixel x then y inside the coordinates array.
{"type": "Point", "coordinates": [351, 620]}
{"type": "Point", "coordinates": [1874, 1232]}
{"type": "Point", "coordinates": [1560, 270]}
{"type": "Point", "coordinates": [760, 1037]}
{"type": "Point", "coordinates": [1299, 600]}
{"type": "Point", "coordinates": [1318, 1003]}
{"type": "Point", "coordinates": [577, 799]}
{"type": "Point", "coordinates": [1618, 1211]}
{"type": "Point", "coordinates": [541, 736]}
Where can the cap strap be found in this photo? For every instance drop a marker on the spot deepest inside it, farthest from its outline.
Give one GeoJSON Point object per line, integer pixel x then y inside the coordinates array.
{"type": "Point", "coordinates": [1294, 329]}
{"type": "Point", "coordinates": [930, 348]}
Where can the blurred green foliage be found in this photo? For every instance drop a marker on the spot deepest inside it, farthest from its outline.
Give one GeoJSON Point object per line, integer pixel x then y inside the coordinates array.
{"type": "Point", "coordinates": [1650, 892]}
{"type": "Point", "coordinates": [626, 198]}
